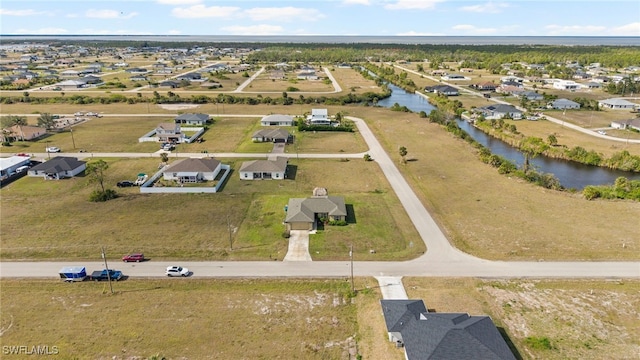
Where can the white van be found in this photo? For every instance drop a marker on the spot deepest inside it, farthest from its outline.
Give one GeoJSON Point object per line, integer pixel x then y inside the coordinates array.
{"type": "Point", "coordinates": [21, 169]}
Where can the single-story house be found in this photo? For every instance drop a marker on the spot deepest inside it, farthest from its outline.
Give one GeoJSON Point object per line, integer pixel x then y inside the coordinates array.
{"type": "Point", "coordinates": [450, 77]}
{"type": "Point", "coordinates": [592, 85]}
{"type": "Point", "coordinates": [530, 95]}
{"type": "Point", "coordinates": [193, 170]}
{"type": "Point", "coordinates": [169, 83]}
{"type": "Point", "coordinates": [193, 76]}
{"type": "Point", "coordinates": [138, 78]}
{"type": "Point", "coordinates": [277, 120]}
{"type": "Point", "coordinates": [277, 75]}
{"type": "Point", "coordinates": [57, 168]}
{"type": "Point", "coordinates": [430, 335]}
{"type": "Point", "coordinates": [137, 71]}
{"type": "Point", "coordinates": [562, 104]}
{"type": "Point", "coordinates": [271, 135]}
{"type": "Point", "coordinates": [93, 80]}
{"type": "Point", "coordinates": [443, 89]}
{"type": "Point", "coordinates": [70, 73]}
{"type": "Point", "coordinates": [9, 165]}
{"type": "Point", "coordinates": [24, 132]}
{"type": "Point", "coordinates": [565, 85]}
{"type": "Point", "coordinates": [499, 111]}
{"type": "Point", "coordinates": [485, 86]}
{"type": "Point", "coordinates": [71, 84]}
{"type": "Point", "coordinates": [617, 104]}
{"type": "Point", "coordinates": [169, 132]}
{"type": "Point", "coordinates": [303, 213]}
{"type": "Point", "coordinates": [626, 124]}
{"type": "Point", "coordinates": [307, 75]}
{"type": "Point", "coordinates": [264, 169]}
{"type": "Point", "coordinates": [192, 119]}
{"type": "Point", "coordinates": [319, 117]}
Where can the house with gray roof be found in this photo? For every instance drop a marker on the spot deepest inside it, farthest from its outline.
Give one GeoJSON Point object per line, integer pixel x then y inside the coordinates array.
{"type": "Point", "coordinates": [617, 104]}
{"type": "Point", "coordinates": [271, 135]}
{"type": "Point", "coordinates": [626, 124]}
{"type": "Point", "coordinates": [303, 213]}
{"type": "Point", "coordinates": [192, 119]}
{"type": "Point", "coordinates": [58, 168]}
{"type": "Point", "coordinates": [264, 169]}
{"type": "Point", "coordinates": [193, 170]}
{"type": "Point", "coordinates": [499, 111]}
{"type": "Point", "coordinates": [563, 104]}
{"type": "Point", "coordinates": [277, 120]}
{"type": "Point", "coordinates": [428, 335]}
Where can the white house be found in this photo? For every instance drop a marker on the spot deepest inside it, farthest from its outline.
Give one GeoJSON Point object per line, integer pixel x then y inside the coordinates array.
{"type": "Point", "coordinates": [499, 111]}
{"type": "Point", "coordinates": [193, 170]}
{"type": "Point", "coordinates": [58, 168]}
{"type": "Point", "coordinates": [192, 119]}
{"type": "Point", "coordinates": [277, 120]}
{"type": "Point", "coordinates": [626, 124]}
{"type": "Point", "coordinates": [616, 104]}
{"type": "Point", "coordinates": [562, 104]}
{"type": "Point", "coordinates": [565, 85]}
{"type": "Point", "coordinates": [264, 169]}
{"type": "Point", "coordinates": [319, 117]}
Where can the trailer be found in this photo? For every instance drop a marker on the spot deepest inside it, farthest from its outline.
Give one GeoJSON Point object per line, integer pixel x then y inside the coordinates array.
{"type": "Point", "coordinates": [73, 273]}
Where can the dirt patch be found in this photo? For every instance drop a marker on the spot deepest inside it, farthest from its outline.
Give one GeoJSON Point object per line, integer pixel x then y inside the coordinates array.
{"type": "Point", "coordinates": [178, 106]}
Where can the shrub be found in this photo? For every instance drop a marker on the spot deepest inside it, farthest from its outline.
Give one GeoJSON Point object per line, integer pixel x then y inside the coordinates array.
{"type": "Point", "coordinates": [102, 196]}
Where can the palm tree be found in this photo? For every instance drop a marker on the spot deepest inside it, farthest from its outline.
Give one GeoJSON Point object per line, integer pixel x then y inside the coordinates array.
{"type": "Point", "coordinates": [403, 152]}
{"type": "Point", "coordinates": [46, 120]}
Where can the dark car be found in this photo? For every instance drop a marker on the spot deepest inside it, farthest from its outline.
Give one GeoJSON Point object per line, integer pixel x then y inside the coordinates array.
{"type": "Point", "coordinates": [125, 183]}
{"type": "Point", "coordinates": [133, 257]}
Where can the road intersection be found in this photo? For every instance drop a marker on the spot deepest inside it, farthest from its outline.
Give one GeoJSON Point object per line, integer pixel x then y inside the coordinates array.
{"type": "Point", "coordinates": [441, 258]}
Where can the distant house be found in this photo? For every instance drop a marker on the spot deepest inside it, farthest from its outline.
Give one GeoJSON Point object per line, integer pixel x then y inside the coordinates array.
{"type": "Point", "coordinates": [92, 80]}
{"type": "Point", "coordinates": [563, 104]}
{"type": "Point", "coordinates": [193, 170]}
{"type": "Point", "coordinates": [169, 132]}
{"type": "Point", "coordinates": [138, 78]}
{"type": "Point", "coordinates": [566, 85]}
{"type": "Point", "coordinates": [319, 117]}
{"type": "Point", "coordinates": [277, 120]}
{"type": "Point", "coordinates": [58, 168]}
{"type": "Point", "coordinates": [71, 84]}
{"type": "Point", "coordinates": [192, 76]}
{"type": "Point", "coordinates": [499, 111]}
{"type": "Point", "coordinates": [277, 75]}
{"type": "Point", "coordinates": [307, 75]}
{"type": "Point", "coordinates": [616, 104]}
{"type": "Point", "coordinates": [24, 132]}
{"type": "Point", "coordinates": [137, 71]}
{"type": "Point", "coordinates": [626, 124]}
{"type": "Point", "coordinates": [271, 135]}
{"type": "Point", "coordinates": [443, 89]}
{"type": "Point", "coordinates": [192, 119]}
{"type": "Point", "coordinates": [70, 73]}
{"type": "Point", "coordinates": [303, 213]}
{"type": "Point", "coordinates": [450, 77]}
{"type": "Point", "coordinates": [485, 86]}
{"type": "Point", "coordinates": [264, 169]}
{"type": "Point", "coordinates": [429, 335]}
{"type": "Point", "coordinates": [169, 83]}
{"type": "Point", "coordinates": [531, 95]}
{"type": "Point", "coordinates": [592, 85]}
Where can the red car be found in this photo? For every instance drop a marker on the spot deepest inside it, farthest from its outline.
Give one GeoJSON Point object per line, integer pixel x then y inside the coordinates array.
{"type": "Point", "coordinates": [133, 257]}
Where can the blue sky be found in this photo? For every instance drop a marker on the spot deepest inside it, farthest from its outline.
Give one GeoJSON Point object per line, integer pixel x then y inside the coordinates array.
{"type": "Point", "coordinates": [322, 17]}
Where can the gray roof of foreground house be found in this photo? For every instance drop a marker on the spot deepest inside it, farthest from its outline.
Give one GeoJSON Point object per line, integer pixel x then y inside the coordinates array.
{"type": "Point", "coordinates": [271, 134]}
{"type": "Point", "coordinates": [278, 118]}
{"type": "Point", "coordinates": [501, 108]}
{"type": "Point", "coordinates": [58, 164]}
{"type": "Point", "coordinates": [193, 165]}
{"type": "Point", "coordinates": [193, 117]}
{"type": "Point", "coordinates": [304, 210]}
{"type": "Point", "coordinates": [278, 165]}
{"type": "Point", "coordinates": [444, 335]}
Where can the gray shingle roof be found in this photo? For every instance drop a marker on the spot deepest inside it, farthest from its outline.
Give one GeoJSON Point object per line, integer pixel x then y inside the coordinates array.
{"type": "Point", "coordinates": [193, 165]}
{"type": "Point", "coordinates": [279, 165]}
{"type": "Point", "coordinates": [443, 335]}
{"type": "Point", "coordinates": [193, 117]}
{"type": "Point", "coordinates": [271, 134]}
{"type": "Point", "coordinates": [304, 210]}
{"type": "Point", "coordinates": [58, 164]}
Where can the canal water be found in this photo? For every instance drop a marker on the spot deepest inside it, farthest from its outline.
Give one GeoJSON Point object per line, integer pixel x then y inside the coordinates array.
{"type": "Point", "coordinates": [570, 174]}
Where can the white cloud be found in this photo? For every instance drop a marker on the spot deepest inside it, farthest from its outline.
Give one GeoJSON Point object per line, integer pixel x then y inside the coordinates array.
{"type": "Point", "coordinates": [27, 12]}
{"type": "Point", "coordinates": [632, 29]}
{"type": "Point", "coordinates": [474, 29]}
{"type": "Point", "coordinates": [283, 14]}
{"type": "Point", "coordinates": [90, 31]}
{"type": "Point", "coordinates": [254, 30]}
{"type": "Point", "coordinates": [201, 11]}
{"type": "Point", "coordinates": [412, 4]}
{"type": "Point", "coordinates": [42, 31]}
{"type": "Point", "coordinates": [109, 14]}
{"type": "Point", "coordinates": [566, 30]}
{"type": "Point", "coordinates": [356, 2]}
{"type": "Point", "coordinates": [174, 32]}
{"type": "Point", "coordinates": [489, 7]}
{"type": "Point", "coordinates": [179, 2]}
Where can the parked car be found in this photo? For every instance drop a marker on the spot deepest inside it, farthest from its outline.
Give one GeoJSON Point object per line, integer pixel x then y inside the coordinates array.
{"type": "Point", "coordinates": [102, 275]}
{"type": "Point", "coordinates": [125, 183]}
{"type": "Point", "coordinates": [53, 149]}
{"type": "Point", "coordinates": [177, 271]}
{"type": "Point", "coordinates": [137, 257]}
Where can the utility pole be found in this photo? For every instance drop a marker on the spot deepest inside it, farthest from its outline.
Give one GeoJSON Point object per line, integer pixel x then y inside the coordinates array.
{"type": "Point", "coordinates": [72, 139]}
{"type": "Point", "coordinates": [230, 233]}
{"type": "Point", "coordinates": [104, 257]}
{"type": "Point", "coordinates": [353, 287]}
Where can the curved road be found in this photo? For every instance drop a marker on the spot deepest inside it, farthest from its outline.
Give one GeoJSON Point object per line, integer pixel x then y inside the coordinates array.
{"type": "Point", "coordinates": [441, 259]}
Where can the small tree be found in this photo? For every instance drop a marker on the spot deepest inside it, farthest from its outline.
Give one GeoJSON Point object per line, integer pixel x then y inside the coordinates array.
{"type": "Point", "coordinates": [164, 157]}
{"type": "Point", "coordinates": [552, 140]}
{"type": "Point", "coordinates": [96, 173]}
{"type": "Point", "coordinates": [46, 120]}
{"type": "Point", "coordinates": [367, 157]}
{"type": "Point", "coordinates": [532, 147]}
{"type": "Point", "coordinates": [403, 153]}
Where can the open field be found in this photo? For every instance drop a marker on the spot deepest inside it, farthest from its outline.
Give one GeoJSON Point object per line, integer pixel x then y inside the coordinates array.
{"type": "Point", "coordinates": [496, 217]}
{"type": "Point", "coordinates": [182, 319]}
{"type": "Point", "coordinates": [580, 319]}
{"type": "Point", "coordinates": [54, 219]}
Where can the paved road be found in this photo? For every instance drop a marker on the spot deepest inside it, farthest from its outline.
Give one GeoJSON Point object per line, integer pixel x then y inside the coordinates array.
{"type": "Point", "coordinates": [441, 259]}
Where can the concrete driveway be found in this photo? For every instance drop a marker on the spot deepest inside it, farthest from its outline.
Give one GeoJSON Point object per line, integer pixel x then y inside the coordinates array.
{"type": "Point", "coordinates": [298, 246]}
